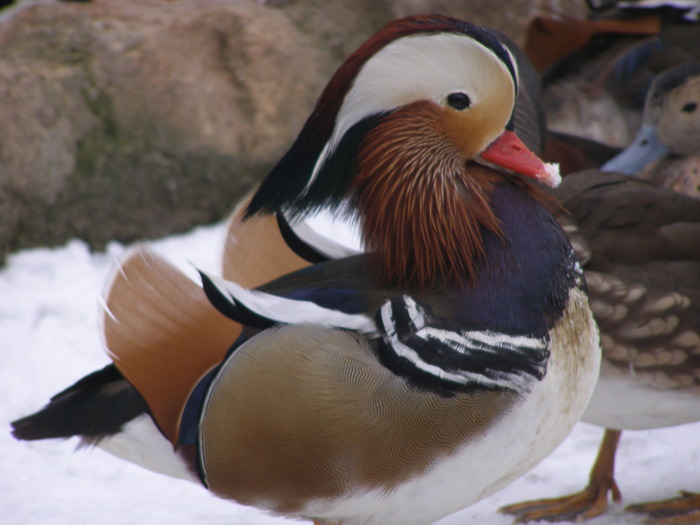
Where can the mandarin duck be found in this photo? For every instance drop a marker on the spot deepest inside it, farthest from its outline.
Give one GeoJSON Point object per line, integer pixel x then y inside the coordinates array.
{"type": "Point", "coordinates": [321, 239]}
{"type": "Point", "coordinates": [641, 257]}
{"type": "Point", "coordinates": [396, 385]}
{"type": "Point", "coordinates": [666, 149]}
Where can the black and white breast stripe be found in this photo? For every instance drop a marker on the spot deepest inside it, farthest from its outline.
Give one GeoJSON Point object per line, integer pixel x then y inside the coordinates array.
{"type": "Point", "coordinates": [457, 360]}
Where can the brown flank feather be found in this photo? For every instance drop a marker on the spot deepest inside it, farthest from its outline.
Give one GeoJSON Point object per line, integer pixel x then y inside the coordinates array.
{"type": "Point", "coordinates": [162, 334]}
{"type": "Point", "coordinates": [423, 206]}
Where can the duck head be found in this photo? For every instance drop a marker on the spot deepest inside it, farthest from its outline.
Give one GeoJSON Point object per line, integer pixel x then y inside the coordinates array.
{"type": "Point", "coordinates": [675, 108]}
{"type": "Point", "coordinates": [409, 138]}
{"type": "Point", "coordinates": [671, 121]}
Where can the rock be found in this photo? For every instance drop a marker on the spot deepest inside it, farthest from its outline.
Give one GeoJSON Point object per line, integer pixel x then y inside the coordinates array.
{"type": "Point", "coordinates": [134, 119]}
{"type": "Point", "coordinates": [140, 118]}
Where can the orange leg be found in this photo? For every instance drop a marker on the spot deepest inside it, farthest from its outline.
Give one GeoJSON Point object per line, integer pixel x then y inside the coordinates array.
{"type": "Point", "coordinates": [591, 501]}
{"type": "Point", "coordinates": [683, 510]}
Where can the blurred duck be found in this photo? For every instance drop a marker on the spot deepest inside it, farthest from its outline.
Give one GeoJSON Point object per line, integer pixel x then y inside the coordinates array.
{"type": "Point", "coordinates": [574, 153]}
{"type": "Point", "coordinates": [393, 386]}
{"type": "Point", "coordinates": [630, 41]}
{"type": "Point", "coordinates": [596, 72]}
{"type": "Point", "coordinates": [666, 149]}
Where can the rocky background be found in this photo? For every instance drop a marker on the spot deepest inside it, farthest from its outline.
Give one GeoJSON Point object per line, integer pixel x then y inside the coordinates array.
{"type": "Point", "coordinates": [132, 119]}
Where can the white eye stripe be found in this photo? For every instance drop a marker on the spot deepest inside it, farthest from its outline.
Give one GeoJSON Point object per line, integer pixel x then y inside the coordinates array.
{"type": "Point", "coordinates": [413, 68]}
{"type": "Point", "coordinates": [422, 67]}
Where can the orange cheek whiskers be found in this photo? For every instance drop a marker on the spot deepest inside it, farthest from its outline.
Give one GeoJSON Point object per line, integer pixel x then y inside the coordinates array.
{"type": "Point", "coordinates": [425, 210]}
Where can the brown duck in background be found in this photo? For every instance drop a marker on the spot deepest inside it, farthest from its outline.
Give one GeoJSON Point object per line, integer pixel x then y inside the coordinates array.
{"type": "Point", "coordinates": [641, 258]}
{"type": "Point", "coordinates": [574, 153]}
{"type": "Point", "coordinates": [596, 72]}
{"type": "Point", "coordinates": [666, 149]}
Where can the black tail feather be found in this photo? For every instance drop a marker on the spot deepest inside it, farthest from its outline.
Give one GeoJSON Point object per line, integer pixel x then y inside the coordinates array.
{"type": "Point", "coordinates": [97, 406]}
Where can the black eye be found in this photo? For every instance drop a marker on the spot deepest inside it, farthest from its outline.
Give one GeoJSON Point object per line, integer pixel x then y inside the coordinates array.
{"type": "Point", "coordinates": [458, 101]}
{"type": "Point", "coordinates": [689, 107]}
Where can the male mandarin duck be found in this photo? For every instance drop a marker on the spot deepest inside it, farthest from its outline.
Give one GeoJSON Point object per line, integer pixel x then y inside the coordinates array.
{"type": "Point", "coordinates": [666, 149]}
{"type": "Point", "coordinates": [397, 385]}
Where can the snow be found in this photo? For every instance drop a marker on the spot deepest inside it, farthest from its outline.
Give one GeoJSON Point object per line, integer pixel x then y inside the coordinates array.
{"type": "Point", "coordinates": [552, 177]}
{"type": "Point", "coordinates": [48, 339]}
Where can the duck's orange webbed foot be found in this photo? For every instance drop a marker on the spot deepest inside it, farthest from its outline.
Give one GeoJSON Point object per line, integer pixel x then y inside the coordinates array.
{"type": "Point", "coordinates": [588, 503]}
{"type": "Point", "coordinates": [683, 510]}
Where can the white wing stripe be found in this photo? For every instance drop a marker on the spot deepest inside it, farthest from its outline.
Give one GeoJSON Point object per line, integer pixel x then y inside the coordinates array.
{"type": "Point", "coordinates": [414, 313]}
{"type": "Point", "coordinates": [291, 311]}
{"type": "Point", "coordinates": [506, 341]}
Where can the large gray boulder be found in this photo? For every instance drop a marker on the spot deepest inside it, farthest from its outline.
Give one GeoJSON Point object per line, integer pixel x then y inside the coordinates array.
{"type": "Point", "coordinates": [128, 119]}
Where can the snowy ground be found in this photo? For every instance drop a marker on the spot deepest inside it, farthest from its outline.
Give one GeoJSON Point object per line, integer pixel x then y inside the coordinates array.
{"type": "Point", "coordinates": [48, 339]}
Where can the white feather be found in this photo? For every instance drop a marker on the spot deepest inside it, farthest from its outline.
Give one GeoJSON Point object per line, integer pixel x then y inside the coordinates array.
{"type": "Point", "coordinates": [141, 442]}
{"type": "Point", "coordinates": [291, 311]}
{"type": "Point", "coordinates": [332, 234]}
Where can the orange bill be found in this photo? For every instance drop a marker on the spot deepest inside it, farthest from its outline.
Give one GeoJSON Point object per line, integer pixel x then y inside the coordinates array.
{"type": "Point", "coordinates": [509, 152]}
